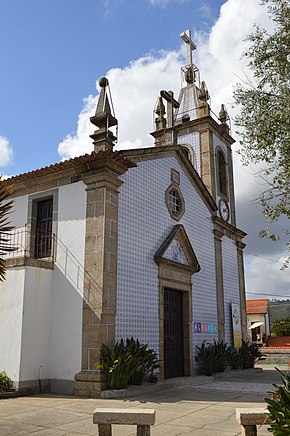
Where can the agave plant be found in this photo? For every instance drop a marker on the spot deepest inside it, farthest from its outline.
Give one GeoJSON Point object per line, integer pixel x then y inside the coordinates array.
{"type": "Point", "coordinates": [205, 357]}
{"type": "Point", "coordinates": [249, 355]}
{"type": "Point", "coordinates": [127, 363]}
{"type": "Point", "coordinates": [5, 228]}
{"type": "Point", "coordinates": [279, 407]}
{"type": "Point", "coordinates": [145, 360]}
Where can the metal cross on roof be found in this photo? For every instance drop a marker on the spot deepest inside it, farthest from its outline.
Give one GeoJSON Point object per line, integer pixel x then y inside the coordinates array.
{"type": "Point", "coordinates": [190, 46]}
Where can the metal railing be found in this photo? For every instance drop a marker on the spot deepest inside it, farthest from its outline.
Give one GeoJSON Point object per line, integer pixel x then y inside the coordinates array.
{"type": "Point", "coordinates": [35, 244]}
{"type": "Point", "coordinates": [31, 243]}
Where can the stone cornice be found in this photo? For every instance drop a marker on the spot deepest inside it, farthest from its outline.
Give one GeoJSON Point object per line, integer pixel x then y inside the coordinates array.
{"type": "Point", "coordinates": [205, 123]}
{"type": "Point", "coordinates": [221, 228]}
{"type": "Point", "coordinates": [102, 179]}
{"type": "Point", "coordinates": [70, 171]}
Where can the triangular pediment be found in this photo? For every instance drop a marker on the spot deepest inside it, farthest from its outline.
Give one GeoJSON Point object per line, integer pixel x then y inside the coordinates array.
{"type": "Point", "coordinates": [177, 249]}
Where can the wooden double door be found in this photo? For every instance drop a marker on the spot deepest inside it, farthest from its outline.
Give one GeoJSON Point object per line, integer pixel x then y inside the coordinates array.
{"type": "Point", "coordinates": [173, 334]}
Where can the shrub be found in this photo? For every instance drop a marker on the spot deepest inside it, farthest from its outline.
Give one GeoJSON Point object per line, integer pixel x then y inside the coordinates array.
{"type": "Point", "coordinates": [249, 354]}
{"type": "Point", "coordinates": [5, 382]}
{"type": "Point", "coordinates": [127, 363]}
{"type": "Point", "coordinates": [222, 355]}
{"type": "Point", "coordinates": [281, 327]}
{"type": "Point", "coordinates": [279, 407]}
{"type": "Point", "coordinates": [216, 357]}
{"type": "Point", "coordinates": [205, 357]}
{"type": "Point", "coordinates": [213, 357]}
{"type": "Point", "coordinates": [145, 361]}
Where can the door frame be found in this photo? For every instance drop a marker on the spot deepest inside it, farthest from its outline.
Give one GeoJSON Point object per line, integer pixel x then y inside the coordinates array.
{"type": "Point", "coordinates": [176, 278]}
{"type": "Point", "coordinates": [180, 333]}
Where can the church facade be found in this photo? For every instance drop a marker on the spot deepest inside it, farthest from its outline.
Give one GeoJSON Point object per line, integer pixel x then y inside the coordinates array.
{"type": "Point", "coordinates": [115, 244]}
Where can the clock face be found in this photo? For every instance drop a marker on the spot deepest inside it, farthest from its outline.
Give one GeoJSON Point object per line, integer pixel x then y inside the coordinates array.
{"type": "Point", "coordinates": [224, 209]}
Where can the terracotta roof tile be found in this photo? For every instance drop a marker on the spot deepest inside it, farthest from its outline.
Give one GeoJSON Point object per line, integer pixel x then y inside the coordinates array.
{"type": "Point", "coordinates": [257, 306]}
{"type": "Point", "coordinates": [70, 163]}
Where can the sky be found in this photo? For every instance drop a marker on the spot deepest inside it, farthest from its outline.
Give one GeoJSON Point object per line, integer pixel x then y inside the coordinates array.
{"type": "Point", "coordinates": [52, 54]}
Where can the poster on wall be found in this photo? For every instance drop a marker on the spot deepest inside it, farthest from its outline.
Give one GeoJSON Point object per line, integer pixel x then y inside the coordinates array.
{"type": "Point", "coordinates": [237, 328]}
{"type": "Point", "coordinates": [205, 327]}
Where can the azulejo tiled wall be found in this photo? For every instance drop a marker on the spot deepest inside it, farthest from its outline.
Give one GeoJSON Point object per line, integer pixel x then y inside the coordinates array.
{"type": "Point", "coordinates": [144, 224]}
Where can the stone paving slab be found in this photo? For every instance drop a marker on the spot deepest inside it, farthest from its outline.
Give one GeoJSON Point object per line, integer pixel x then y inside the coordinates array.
{"type": "Point", "coordinates": [258, 388]}
{"type": "Point", "coordinates": [205, 410]}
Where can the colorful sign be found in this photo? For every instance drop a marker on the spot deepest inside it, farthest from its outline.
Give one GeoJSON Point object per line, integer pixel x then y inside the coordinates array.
{"type": "Point", "coordinates": [237, 328]}
{"type": "Point", "coordinates": [205, 327]}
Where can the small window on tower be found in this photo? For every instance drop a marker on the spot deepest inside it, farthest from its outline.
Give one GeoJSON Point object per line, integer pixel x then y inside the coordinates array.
{"type": "Point", "coordinates": [222, 174]}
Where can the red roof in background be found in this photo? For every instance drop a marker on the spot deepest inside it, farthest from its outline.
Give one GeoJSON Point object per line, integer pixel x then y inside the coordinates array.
{"type": "Point", "coordinates": [257, 306]}
{"type": "Point", "coordinates": [280, 342]}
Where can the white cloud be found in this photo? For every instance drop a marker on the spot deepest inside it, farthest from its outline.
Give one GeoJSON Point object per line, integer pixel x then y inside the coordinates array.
{"type": "Point", "coordinates": [6, 152]}
{"type": "Point", "coordinates": [134, 92]}
{"type": "Point", "coordinates": [79, 143]}
{"type": "Point", "coordinates": [274, 281]}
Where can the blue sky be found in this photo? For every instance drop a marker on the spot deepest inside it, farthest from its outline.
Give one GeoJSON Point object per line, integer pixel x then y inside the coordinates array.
{"type": "Point", "coordinates": [52, 53]}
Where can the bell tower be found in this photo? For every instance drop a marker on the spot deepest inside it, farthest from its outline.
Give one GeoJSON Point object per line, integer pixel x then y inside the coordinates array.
{"type": "Point", "coordinates": [204, 136]}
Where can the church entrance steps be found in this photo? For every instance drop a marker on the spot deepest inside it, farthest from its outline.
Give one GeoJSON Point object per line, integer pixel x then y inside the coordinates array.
{"type": "Point", "coordinates": [161, 386]}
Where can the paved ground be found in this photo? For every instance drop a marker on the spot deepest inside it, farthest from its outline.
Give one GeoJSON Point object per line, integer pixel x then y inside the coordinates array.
{"type": "Point", "coordinates": [205, 409]}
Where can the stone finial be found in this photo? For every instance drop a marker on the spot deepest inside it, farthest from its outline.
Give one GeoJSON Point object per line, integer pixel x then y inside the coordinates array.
{"type": "Point", "coordinates": [223, 115]}
{"type": "Point", "coordinates": [159, 110]}
{"type": "Point", "coordinates": [203, 108]}
{"type": "Point", "coordinates": [103, 138]}
{"type": "Point", "coordinates": [203, 94]}
{"type": "Point", "coordinates": [224, 118]}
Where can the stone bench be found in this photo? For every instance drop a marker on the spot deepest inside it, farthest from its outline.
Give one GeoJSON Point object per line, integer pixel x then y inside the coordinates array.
{"type": "Point", "coordinates": [105, 418]}
{"type": "Point", "coordinates": [250, 418]}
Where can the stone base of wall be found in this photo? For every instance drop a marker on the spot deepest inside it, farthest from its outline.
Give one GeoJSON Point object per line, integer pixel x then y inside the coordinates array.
{"type": "Point", "coordinates": [89, 384]}
{"type": "Point", "coordinates": [275, 356]}
{"type": "Point", "coordinates": [55, 386]}
{"type": "Point", "coordinates": [30, 387]}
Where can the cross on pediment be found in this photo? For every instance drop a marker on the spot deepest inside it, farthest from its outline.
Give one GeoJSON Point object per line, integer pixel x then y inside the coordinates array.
{"type": "Point", "coordinates": [171, 105]}
{"type": "Point", "coordinates": [190, 46]}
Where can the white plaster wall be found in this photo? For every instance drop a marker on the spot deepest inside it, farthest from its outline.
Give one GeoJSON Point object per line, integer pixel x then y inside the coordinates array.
{"type": "Point", "coordinates": [36, 323]}
{"type": "Point", "coordinates": [11, 301]}
{"type": "Point", "coordinates": [18, 216]}
{"type": "Point", "coordinates": [49, 332]}
{"type": "Point", "coordinates": [231, 283]}
{"type": "Point", "coordinates": [144, 224]}
{"type": "Point", "coordinates": [66, 301]}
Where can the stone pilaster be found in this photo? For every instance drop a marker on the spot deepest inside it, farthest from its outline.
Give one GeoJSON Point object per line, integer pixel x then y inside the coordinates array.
{"type": "Point", "coordinates": [207, 161]}
{"type": "Point", "coordinates": [231, 187]}
{"type": "Point", "coordinates": [219, 284]}
{"type": "Point", "coordinates": [100, 281]}
{"type": "Point", "coordinates": [240, 246]}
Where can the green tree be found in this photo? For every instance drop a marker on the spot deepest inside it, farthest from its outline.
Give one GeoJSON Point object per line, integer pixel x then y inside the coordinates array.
{"type": "Point", "coordinates": [264, 118]}
{"type": "Point", "coordinates": [281, 327]}
{"type": "Point", "coordinates": [5, 228]}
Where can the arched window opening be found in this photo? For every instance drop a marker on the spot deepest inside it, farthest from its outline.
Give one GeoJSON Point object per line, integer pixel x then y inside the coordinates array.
{"type": "Point", "coordinates": [222, 174]}
{"type": "Point", "coordinates": [189, 154]}
{"type": "Point", "coordinates": [186, 151]}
